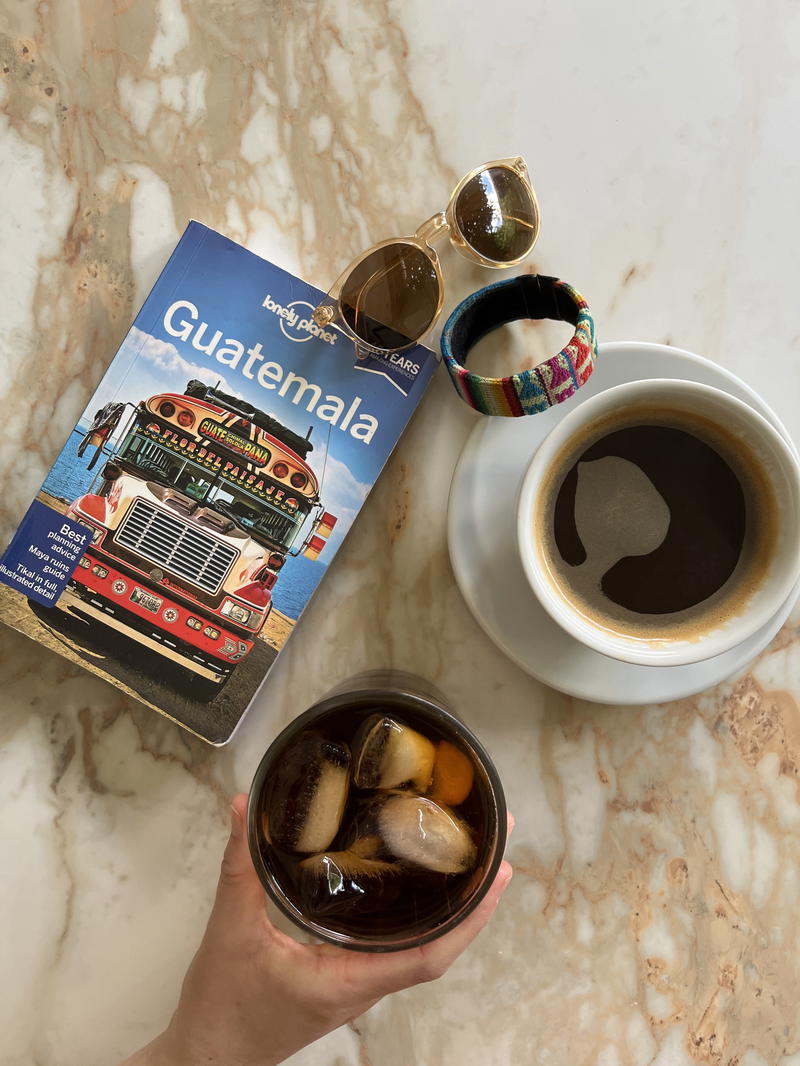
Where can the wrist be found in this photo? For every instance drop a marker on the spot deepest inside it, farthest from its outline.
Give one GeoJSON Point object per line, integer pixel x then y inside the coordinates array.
{"type": "Point", "coordinates": [164, 1050]}
{"type": "Point", "coordinates": [173, 1048]}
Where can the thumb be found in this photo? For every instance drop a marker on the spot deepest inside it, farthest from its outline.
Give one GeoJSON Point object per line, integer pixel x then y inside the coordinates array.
{"type": "Point", "coordinates": [239, 890]}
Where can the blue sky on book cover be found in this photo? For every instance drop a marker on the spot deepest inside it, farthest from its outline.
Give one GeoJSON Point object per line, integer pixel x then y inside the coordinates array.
{"type": "Point", "coordinates": [212, 294]}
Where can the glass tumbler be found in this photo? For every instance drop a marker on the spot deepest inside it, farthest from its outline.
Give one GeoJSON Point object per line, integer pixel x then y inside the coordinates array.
{"type": "Point", "coordinates": [412, 821]}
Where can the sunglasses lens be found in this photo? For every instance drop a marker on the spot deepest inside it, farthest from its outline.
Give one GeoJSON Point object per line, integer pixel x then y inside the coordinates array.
{"type": "Point", "coordinates": [390, 298]}
{"type": "Point", "coordinates": [497, 215]}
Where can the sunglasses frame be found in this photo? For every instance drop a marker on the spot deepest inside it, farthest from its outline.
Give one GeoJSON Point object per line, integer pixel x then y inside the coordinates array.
{"type": "Point", "coordinates": [329, 311]}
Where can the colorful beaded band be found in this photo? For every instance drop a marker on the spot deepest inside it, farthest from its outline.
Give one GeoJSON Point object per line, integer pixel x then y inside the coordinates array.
{"type": "Point", "coordinates": [531, 391]}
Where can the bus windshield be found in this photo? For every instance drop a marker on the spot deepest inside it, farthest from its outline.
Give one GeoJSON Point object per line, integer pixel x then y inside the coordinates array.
{"type": "Point", "coordinates": [256, 516]}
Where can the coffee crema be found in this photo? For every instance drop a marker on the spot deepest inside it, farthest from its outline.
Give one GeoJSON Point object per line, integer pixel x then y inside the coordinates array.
{"type": "Point", "coordinates": [656, 523]}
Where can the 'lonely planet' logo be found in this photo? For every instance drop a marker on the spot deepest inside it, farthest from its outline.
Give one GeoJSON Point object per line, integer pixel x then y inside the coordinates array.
{"type": "Point", "coordinates": [296, 322]}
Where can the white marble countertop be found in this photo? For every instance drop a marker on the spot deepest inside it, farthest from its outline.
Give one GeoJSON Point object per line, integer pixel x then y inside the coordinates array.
{"type": "Point", "coordinates": [653, 918]}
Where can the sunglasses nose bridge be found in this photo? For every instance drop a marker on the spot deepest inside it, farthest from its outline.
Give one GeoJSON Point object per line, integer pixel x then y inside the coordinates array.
{"type": "Point", "coordinates": [433, 229]}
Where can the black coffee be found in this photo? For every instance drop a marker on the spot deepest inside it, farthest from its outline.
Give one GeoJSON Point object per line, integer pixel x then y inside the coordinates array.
{"type": "Point", "coordinates": [656, 522]}
{"type": "Point", "coordinates": [375, 823]}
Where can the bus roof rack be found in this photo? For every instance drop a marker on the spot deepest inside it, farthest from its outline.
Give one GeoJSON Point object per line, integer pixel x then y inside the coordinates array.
{"type": "Point", "coordinates": [198, 390]}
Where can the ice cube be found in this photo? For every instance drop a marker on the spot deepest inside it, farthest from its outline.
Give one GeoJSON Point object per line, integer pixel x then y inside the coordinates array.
{"type": "Point", "coordinates": [338, 882]}
{"type": "Point", "coordinates": [308, 794]}
{"type": "Point", "coordinates": [366, 847]}
{"type": "Point", "coordinates": [452, 775]}
{"type": "Point", "coordinates": [387, 753]}
{"type": "Point", "coordinates": [418, 830]}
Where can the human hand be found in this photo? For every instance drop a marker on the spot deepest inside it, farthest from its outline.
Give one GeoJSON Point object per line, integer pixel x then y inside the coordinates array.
{"type": "Point", "coordinates": [253, 995]}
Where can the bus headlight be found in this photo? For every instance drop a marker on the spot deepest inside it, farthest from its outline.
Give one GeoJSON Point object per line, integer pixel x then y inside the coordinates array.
{"type": "Point", "coordinates": [237, 613]}
{"type": "Point", "coordinates": [97, 531]}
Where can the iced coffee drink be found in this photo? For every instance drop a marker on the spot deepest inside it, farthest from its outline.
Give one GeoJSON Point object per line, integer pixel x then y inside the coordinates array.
{"type": "Point", "coordinates": [376, 819]}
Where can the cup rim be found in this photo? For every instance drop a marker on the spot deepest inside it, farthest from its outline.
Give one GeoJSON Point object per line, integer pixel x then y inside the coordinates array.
{"type": "Point", "coordinates": [498, 817]}
{"type": "Point", "coordinates": [679, 653]}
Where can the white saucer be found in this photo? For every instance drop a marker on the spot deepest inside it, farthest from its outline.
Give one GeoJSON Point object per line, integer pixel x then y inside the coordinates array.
{"type": "Point", "coordinates": [482, 539]}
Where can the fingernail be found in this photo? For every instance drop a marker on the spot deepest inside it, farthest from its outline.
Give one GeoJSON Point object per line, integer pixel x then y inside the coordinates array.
{"type": "Point", "coordinates": [236, 823]}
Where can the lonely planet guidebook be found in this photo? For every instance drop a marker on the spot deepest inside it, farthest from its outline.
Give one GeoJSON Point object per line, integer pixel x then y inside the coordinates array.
{"type": "Point", "coordinates": [202, 495]}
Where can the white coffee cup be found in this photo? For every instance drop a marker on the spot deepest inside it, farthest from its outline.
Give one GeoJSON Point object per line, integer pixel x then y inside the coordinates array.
{"type": "Point", "coordinates": [778, 466]}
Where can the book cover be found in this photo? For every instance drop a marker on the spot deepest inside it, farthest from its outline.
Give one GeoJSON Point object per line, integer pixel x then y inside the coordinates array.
{"type": "Point", "coordinates": [203, 493]}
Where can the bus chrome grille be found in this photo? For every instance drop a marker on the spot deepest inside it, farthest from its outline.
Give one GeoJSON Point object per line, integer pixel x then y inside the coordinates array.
{"type": "Point", "coordinates": [177, 547]}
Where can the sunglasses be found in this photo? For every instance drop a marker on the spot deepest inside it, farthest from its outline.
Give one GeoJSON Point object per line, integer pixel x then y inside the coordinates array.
{"type": "Point", "coordinates": [390, 296]}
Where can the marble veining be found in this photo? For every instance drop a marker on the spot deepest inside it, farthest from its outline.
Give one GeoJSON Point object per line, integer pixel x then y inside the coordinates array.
{"type": "Point", "coordinates": [653, 917]}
